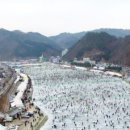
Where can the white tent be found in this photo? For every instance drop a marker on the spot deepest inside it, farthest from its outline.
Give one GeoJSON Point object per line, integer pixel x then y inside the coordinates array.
{"type": "Point", "coordinates": [17, 103]}
{"type": "Point", "coordinates": [3, 127]}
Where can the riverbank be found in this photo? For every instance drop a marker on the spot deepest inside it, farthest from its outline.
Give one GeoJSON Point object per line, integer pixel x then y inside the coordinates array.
{"type": "Point", "coordinates": [36, 119]}
{"type": "Point", "coordinates": [33, 123]}
{"type": "Point", "coordinates": [22, 114]}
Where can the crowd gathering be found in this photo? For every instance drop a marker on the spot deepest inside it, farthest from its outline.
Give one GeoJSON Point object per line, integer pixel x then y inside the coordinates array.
{"type": "Point", "coordinates": [79, 99]}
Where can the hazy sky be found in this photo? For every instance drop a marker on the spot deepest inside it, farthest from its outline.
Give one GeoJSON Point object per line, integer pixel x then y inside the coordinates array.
{"type": "Point", "coordinates": [51, 17]}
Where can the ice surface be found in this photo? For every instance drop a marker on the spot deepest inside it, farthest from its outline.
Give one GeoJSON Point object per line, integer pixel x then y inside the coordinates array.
{"type": "Point", "coordinates": [79, 99]}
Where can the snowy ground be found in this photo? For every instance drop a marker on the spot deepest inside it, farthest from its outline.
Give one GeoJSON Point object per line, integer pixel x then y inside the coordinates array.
{"type": "Point", "coordinates": [79, 99]}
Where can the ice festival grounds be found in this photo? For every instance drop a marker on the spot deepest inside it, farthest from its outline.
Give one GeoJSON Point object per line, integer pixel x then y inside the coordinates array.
{"type": "Point", "coordinates": [76, 99]}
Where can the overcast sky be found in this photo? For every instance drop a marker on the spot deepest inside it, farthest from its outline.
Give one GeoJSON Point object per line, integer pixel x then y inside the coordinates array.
{"type": "Point", "coordinates": [51, 17]}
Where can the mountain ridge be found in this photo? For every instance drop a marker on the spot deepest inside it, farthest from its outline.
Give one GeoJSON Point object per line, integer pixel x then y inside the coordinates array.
{"type": "Point", "coordinates": [100, 45]}
{"type": "Point", "coordinates": [18, 44]}
{"type": "Point", "coordinates": [67, 40]}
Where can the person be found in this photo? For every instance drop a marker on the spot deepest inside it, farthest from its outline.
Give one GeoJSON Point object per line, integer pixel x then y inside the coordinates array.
{"type": "Point", "coordinates": [31, 125]}
{"type": "Point", "coordinates": [25, 123]}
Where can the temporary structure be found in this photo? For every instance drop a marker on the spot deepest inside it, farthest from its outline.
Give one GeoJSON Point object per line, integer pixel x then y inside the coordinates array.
{"type": "Point", "coordinates": [17, 103]}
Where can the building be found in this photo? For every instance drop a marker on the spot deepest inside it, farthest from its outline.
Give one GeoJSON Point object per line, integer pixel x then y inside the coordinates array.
{"type": "Point", "coordinates": [64, 52]}
{"type": "Point", "coordinates": [55, 59]}
{"type": "Point", "coordinates": [85, 60]}
{"type": "Point", "coordinates": [41, 58]}
{"type": "Point", "coordinates": [88, 60]}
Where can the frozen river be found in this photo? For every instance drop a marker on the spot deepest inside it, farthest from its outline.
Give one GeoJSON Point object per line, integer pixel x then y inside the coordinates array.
{"type": "Point", "coordinates": [79, 99]}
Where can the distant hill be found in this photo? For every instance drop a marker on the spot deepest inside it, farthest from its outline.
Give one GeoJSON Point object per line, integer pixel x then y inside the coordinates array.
{"type": "Point", "coordinates": [92, 45]}
{"type": "Point", "coordinates": [101, 45]}
{"type": "Point", "coordinates": [114, 32]}
{"type": "Point", "coordinates": [16, 44]}
{"type": "Point", "coordinates": [67, 40]}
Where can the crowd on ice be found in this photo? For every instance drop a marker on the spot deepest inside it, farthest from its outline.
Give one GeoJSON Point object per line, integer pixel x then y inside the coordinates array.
{"type": "Point", "coordinates": [79, 99]}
